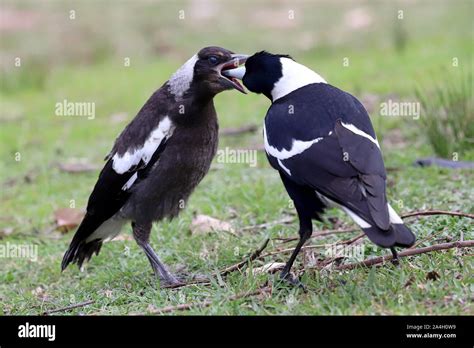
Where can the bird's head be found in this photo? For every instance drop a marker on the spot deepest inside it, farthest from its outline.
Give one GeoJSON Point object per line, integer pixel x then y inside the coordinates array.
{"type": "Point", "coordinates": [273, 75]}
{"type": "Point", "coordinates": [202, 73]}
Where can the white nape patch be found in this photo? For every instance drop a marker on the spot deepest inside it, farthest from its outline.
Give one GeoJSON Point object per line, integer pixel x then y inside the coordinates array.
{"type": "Point", "coordinates": [357, 131]}
{"type": "Point", "coordinates": [121, 164]}
{"type": "Point", "coordinates": [283, 167]}
{"type": "Point", "coordinates": [394, 218]}
{"type": "Point", "coordinates": [357, 219]}
{"type": "Point", "coordinates": [181, 80]}
{"type": "Point", "coordinates": [297, 147]}
{"type": "Point", "coordinates": [295, 76]}
{"type": "Point", "coordinates": [130, 182]}
{"type": "Point", "coordinates": [108, 230]}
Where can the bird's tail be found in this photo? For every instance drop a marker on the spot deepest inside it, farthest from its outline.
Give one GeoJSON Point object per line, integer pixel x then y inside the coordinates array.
{"type": "Point", "coordinates": [79, 250]}
{"type": "Point", "coordinates": [397, 235]}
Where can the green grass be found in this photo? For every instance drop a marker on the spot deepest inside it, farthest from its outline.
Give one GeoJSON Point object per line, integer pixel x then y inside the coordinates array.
{"type": "Point", "coordinates": [120, 281]}
{"type": "Point", "coordinates": [449, 120]}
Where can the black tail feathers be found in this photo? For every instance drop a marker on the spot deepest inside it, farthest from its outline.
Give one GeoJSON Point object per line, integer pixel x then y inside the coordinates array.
{"type": "Point", "coordinates": [79, 252]}
{"type": "Point", "coordinates": [397, 235]}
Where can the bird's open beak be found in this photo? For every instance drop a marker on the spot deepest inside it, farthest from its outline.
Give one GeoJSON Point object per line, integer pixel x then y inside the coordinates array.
{"type": "Point", "coordinates": [231, 65]}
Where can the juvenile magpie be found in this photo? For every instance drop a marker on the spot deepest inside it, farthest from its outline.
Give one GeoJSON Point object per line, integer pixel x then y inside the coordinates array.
{"type": "Point", "coordinates": [321, 141]}
{"type": "Point", "coordinates": [158, 159]}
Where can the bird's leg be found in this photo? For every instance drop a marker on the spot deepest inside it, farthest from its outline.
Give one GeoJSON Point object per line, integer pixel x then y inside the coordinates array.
{"type": "Point", "coordinates": [305, 232]}
{"type": "Point", "coordinates": [395, 260]}
{"type": "Point", "coordinates": [142, 236]}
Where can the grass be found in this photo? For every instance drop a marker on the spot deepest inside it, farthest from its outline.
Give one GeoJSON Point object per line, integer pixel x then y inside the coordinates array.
{"type": "Point", "coordinates": [449, 120]}
{"type": "Point", "coordinates": [119, 280]}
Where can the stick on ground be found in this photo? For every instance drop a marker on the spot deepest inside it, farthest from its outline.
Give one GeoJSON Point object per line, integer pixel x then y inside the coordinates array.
{"type": "Point", "coordinates": [62, 309]}
{"type": "Point", "coordinates": [252, 257]}
{"type": "Point", "coordinates": [408, 252]}
{"type": "Point", "coordinates": [437, 212]}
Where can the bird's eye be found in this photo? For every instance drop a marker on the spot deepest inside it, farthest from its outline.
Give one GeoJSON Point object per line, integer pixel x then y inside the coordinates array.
{"type": "Point", "coordinates": [213, 60]}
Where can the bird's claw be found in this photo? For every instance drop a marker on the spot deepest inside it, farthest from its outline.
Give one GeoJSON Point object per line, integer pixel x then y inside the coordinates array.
{"type": "Point", "coordinates": [294, 281]}
{"type": "Point", "coordinates": [170, 281]}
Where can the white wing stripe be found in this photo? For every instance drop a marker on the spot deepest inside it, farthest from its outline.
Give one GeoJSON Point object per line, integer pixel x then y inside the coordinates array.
{"type": "Point", "coordinates": [357, 131]}
{"type": "Point", "coordinates": [394, 218]}
{"type": "Point", "coordinates": [283, 167]}
{"type": "Point", "coordinates": [130, 182]}
{"type": "Point", "coordinates": [123, 163]}
{"type": "Point", "coordinates": [297, 147]}
{"type": "Point", "coordinates": [357, 219]}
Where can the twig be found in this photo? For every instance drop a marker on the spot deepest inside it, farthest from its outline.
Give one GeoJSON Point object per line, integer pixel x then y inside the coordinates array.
{"type": "Point", "coordinates": [437, 212]}
{"type": "Point", "coordinates": [225, 271]}
{"type": "Point", "coordinates": [207, 303]}
{"type": "Point", "coordinates": [408, 252]}
{"type": "Point", "coordinates": [356, 238]}
{"type": "Point", "coordinates": [251, 128]}
{"type": "Point", "coordinates": [427, 238]}
{"type": "Point", "coordinates": [407, 215]}
{"type": "Point", "coordinates": [192, 282]}
{"type": "Point", "coordinates": [76, 305]}
{"type": "Point", "coordinates": [252, 257]}
{"type": "Point", "coordinates": [257, 254]}
{"type": "Point", "coordinates": [313, 246]}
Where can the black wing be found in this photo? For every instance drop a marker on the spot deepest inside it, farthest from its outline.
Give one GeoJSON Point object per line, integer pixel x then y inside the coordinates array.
{"type": "Point", "coordinates": [135, 152]}
{"type": "Point", "coordinates": [337, 154]}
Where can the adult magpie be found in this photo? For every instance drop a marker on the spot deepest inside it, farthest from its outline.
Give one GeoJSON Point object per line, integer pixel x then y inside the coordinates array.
{"type": "Point", "coordinates": [158, 159]}
{"type": "Point", "coordinates": [321, 141]}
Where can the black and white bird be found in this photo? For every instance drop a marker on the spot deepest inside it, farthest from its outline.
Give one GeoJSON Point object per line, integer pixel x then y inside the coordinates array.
{"type": "Point", "coordinates": [321, 141]}
{"type": "Point", "coordinates": [158, 159]}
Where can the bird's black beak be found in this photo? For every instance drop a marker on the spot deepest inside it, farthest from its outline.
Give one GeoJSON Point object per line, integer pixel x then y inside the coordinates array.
{"type": "Point", "coordinates": [231, 65]}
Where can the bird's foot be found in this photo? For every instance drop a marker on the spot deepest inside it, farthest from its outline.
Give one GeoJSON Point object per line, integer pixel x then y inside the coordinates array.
{"type": "Point", "coordinates": [192, 277]}
{"type": "Point", "coordinates": [395, 260]}
{"type": "Point", "coordinates": [169, 280]}
{"type": "Point", "coordinates": [288, 278]}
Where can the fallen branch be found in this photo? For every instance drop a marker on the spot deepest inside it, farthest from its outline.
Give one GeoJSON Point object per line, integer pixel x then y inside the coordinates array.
{"type": "Point", "coordinates": [408, 252]}
{"type": "Point", "coordinates": [251, 128]}
{"type": "Point", "coordinates": [76, 305]}
{"type": "Point", "coordinates": [437, 212]}
{"type": "Point", "coordinates": [207, 303]}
